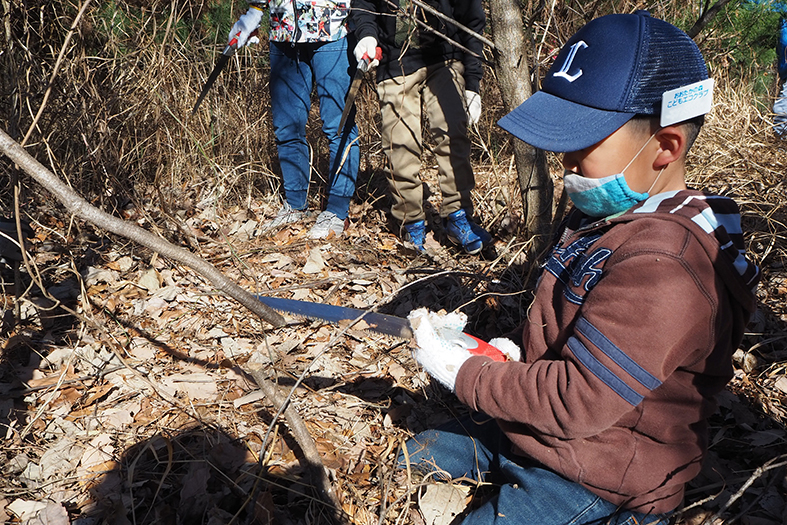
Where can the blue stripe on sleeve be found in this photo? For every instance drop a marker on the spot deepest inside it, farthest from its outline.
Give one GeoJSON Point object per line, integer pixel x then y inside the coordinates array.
{"type": "Point", "coordinates": [598, 369]}
{"type": "Point", "coordinates": [595, 336]}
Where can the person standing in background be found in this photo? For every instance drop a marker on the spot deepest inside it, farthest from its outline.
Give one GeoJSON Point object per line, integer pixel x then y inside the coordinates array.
{"type": "Point", "coordinates": [422, 69]}
{"type": "Point", "coordinates": [780, 105]}
{"type": "Point", "coordinates": [308, 47]}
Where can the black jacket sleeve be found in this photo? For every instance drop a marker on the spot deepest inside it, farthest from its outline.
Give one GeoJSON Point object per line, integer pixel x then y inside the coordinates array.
{"type": "Point", "coordinates": [363, 18]}
{"type": "Point", "coordinates": [470, 13]}
{"type": "Point", "coordinates": [382, 20]}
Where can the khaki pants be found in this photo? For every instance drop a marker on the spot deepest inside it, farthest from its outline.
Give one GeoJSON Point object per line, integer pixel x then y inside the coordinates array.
{"type": "Point", "coordinates": [441, 89]}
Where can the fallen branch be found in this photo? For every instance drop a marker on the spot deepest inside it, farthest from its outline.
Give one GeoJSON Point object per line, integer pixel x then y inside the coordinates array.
{"type": "Point", "coordinates": [79, 207]}
{"type": "Point", "coordinates": [773, 463]}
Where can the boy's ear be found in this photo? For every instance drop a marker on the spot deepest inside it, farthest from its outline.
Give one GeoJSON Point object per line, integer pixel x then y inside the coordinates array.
{"type": "Point", "coordinates": [672, 146]}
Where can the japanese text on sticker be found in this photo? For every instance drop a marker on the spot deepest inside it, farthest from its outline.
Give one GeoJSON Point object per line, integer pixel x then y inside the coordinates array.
{"type": "Point", "coordinates": [686, 102]}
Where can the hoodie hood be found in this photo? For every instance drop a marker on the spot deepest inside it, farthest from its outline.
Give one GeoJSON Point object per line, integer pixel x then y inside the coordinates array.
{"type": "Point", "coordinates": [716, 222]}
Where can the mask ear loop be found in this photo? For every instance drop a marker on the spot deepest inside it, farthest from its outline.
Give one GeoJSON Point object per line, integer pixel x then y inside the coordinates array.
{"type": "Point", "coordinates": [656, 179]}
{"type": "Point", "coordinates": [640, 151]}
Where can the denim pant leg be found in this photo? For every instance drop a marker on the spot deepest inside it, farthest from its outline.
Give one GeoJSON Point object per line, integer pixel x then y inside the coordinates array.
{"type": "Point", "coordinates": [528, 493]}
{"type": "Point", "coordinates": [780, 112]}
{"type": "Point", "coordinates": [291, 86]}
{"type": "Point", "coordinates": [465, 448]}
{"type": "Point", "coordinates": [532, 494]}
{"type": "Point", "coordinates": [331, 64]}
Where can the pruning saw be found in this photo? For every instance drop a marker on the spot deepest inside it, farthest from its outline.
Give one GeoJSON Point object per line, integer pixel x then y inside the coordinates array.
{"type": "Point", "coordinates": [221, 63]}
{"type": "Point", "coordinates": [376, 322]}
{"type": "Point", "coordinates": [360, 71]}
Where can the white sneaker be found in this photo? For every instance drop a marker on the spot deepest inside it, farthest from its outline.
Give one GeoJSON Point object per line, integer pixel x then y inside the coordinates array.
{"type": "Point", "coordinates": [327, 222]}
{"type": "Point", "coordinates": [286, 215]}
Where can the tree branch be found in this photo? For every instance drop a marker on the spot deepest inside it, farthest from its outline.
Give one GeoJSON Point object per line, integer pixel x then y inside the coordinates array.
{"type": "Point", "coordinates": [79, 207]}
{"type": "Point", "coordinates": [708, 14]}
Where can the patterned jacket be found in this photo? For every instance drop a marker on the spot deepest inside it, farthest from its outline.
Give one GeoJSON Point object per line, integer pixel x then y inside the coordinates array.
{"type": "Point", "coordinates": [306, 21]}
{"type": "Point", "coordinates": [628, 339]}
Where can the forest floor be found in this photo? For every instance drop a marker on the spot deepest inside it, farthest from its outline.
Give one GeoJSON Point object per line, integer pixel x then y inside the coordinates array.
{"type": "Point", "coordinates": [134, 404]}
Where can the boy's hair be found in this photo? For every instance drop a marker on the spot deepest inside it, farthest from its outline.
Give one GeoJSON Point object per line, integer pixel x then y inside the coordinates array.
{"type": "Point", "coordinates": [615, 67]}
{"type": "Point", "coordinates": [648, 124]}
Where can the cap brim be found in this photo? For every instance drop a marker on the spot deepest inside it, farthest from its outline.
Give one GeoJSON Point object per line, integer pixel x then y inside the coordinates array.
{"type": "Point", "coordinates": [555, 124]}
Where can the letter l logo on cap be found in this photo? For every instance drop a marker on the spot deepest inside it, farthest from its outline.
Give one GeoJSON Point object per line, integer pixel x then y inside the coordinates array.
{"type": "Point", "coordinates": [569, 59]}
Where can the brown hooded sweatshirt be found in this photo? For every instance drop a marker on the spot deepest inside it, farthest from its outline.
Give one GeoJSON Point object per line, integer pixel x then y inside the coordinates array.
{"type": "Point", "coordinates": [629, 338]}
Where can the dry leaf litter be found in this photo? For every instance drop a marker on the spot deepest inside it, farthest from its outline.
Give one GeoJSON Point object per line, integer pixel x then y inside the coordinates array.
{"type": "Point", "coordinates": [133, 404]}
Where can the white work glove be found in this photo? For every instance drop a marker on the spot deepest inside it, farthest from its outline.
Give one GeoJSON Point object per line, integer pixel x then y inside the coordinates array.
{"type": "Point", "coordinates": [508, 347]}
{"type": "Point", "coordinates": [366, 51]}
{"type": "Point", "coordinates": [441, 358]}
{"type": "Point", "coordinates": [244, 27]}
{"type": "Point", "coordinates": [473, 100]}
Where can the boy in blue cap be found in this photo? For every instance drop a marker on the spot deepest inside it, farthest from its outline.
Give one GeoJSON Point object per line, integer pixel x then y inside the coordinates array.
{"type": "Point", "coordinates": [599, 413]}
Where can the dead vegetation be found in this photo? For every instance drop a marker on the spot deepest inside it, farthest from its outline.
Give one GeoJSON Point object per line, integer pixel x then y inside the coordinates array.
{"type": "Point", "coordinates": [124, 394]}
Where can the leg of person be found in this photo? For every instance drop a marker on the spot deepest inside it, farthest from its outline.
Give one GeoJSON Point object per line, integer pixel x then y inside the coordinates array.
{"type": "Point", "coordinates": [400, 107]}
{"type": "Point", "coordinates": [536, 495]}
{"type": "Point", "coordinates": [291, 85]}
{"type": "Point", "coordinates": [780, 112]}
{"type": "Point", "coordinates": [476, 448]}
{"type": "Point", "coordinates": [780, 105]}
{"type": "Point", "coordinates": [445, 107]}
{"type": "Point", "coordinates": [332, 75]}
{"type": "Point", "coordinates": [463, 448]}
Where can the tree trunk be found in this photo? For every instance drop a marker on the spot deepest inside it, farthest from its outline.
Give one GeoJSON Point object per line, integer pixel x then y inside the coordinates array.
{"type": "Point", "coordinates": [513, 77]}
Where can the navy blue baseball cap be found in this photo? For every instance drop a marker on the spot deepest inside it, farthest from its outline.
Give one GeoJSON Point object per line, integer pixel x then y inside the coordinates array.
{"type": "Point", "coordinates": [615, 67]}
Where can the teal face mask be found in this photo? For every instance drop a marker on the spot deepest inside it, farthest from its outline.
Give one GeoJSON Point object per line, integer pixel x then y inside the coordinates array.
{"type": "Point", "coordinates": [601, 197]}
{"type": "Point", "coordinates": [605, 196]}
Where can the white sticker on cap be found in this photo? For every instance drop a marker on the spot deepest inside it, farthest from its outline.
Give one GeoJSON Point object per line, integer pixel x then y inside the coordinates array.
{"type": "Point", "coordinates": [686, 102]}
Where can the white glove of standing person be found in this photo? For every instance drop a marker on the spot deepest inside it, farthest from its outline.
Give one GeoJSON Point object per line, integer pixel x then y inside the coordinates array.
{"type": "Point", "coordinates": [473, 100]}
{"type": "Point", "coordinates": [366, 50]}
{"type": "Point", "coordinates": [244, 27]}
{"type": "Point", "coordinates": [441, 358]}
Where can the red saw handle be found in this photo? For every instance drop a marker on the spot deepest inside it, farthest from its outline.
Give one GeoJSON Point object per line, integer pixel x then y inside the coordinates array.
{"type": "Point", "coordinates": [234, 42]}
{"type": "Point", "coordinates": [472, 344]}
{"type": "Point", "coordinates": [378, 55]}
{"type": "Point", "coordinates": [484, 348]}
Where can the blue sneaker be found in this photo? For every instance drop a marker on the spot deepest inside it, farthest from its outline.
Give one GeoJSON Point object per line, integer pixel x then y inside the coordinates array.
{"type": "Point", "coordinates": [460, 231]}
{"type": "Point", "coordinates": [415, 233]}
{"type": "Point", "coordinates": [486, 238]}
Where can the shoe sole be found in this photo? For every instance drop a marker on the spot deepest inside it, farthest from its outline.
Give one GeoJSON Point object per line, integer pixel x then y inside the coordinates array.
{"type": "Point", "coordinates": [336, 234]}
{"type": "Point", "coordinates": [293, 218]}
{"type": "Point", "coordinates": [468, 251]}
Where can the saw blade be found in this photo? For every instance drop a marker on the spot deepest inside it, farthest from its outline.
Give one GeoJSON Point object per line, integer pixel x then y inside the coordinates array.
{"type": "Point", "coordinates": [367, 319]}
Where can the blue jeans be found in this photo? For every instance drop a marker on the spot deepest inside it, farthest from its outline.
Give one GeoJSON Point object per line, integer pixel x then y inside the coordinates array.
{"type": "Point", "coordinates": [780, 112]}
{"type": "Point", "coordinates": [529, 494]}
{"type": "Point", "coordinates": [294, 71]}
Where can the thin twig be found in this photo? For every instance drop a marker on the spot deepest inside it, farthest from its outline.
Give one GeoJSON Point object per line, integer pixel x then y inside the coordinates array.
{"type": "Point", "coordinates": [771, 464]}
{"type": "Point", "coordinates": [450, 20]}
{"type": "Point", "coordinates": [437, 33]}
